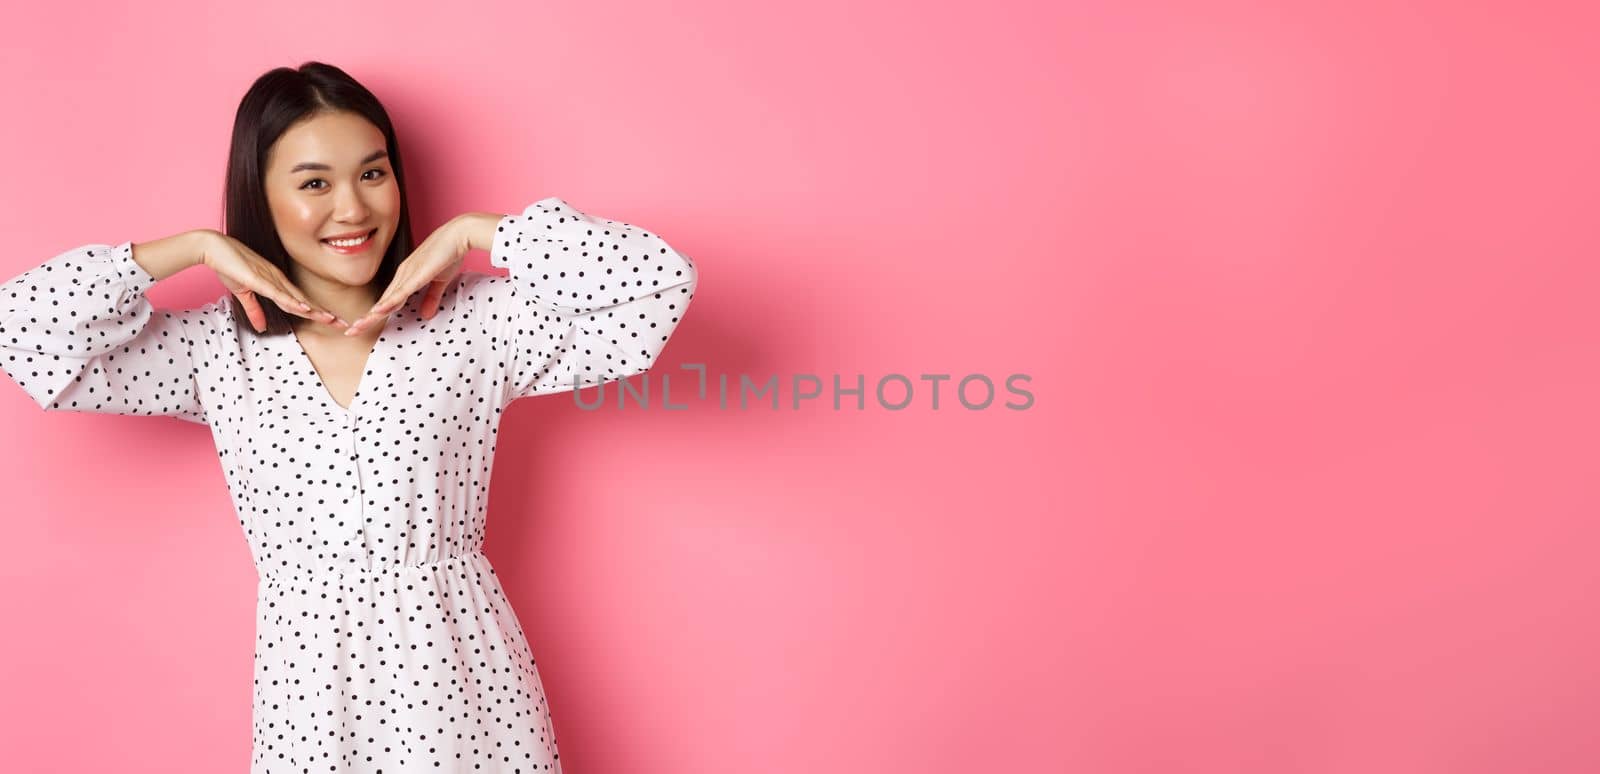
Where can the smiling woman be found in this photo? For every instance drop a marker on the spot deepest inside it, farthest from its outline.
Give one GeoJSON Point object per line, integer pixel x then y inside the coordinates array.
{"type": "Point", "coordinates": [358, 464]}
{"type": "Point", "coordinates": [327, 178]}
{"type": "Point", "coordinates": [315, 157]}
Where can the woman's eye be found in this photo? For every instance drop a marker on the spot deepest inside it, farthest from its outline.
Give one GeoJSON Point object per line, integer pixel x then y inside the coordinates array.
{"type": "Point", "coordinates": [307, 184]}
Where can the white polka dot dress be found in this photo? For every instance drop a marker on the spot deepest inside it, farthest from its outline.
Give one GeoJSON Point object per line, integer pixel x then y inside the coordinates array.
{"type": "Point", "coordinates": [384, 641]}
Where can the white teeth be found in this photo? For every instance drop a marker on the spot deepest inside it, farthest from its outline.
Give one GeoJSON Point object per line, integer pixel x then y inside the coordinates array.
{"type": "Point", "coordinates": [347, 242]}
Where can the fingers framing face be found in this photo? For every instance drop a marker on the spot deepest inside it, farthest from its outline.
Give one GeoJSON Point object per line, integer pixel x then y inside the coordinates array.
{"type": "Point", "coordinates": [404, 284]}
{"type": "Point", "coordinates": [430, 300]}
{"type": "Point", "coordinates": [435, 263]}
{"type": "Point", "coordinates": [251, 301]}
{"type": "Point", "coordinates": [252, 309]}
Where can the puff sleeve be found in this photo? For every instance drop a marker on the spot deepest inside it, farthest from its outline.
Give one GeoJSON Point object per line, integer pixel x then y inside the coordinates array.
{"type": "Point", "coordinates": [78, 334]}
{"type": "Point", "coordinates": [588, 300]}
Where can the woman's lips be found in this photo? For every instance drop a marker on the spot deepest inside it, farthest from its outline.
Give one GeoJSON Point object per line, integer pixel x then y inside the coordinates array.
{"type": "Point", "coordinates": [365, 243]}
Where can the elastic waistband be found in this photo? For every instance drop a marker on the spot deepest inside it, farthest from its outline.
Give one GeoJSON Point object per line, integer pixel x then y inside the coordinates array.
{"type": "Point", "coordinates": [369, 571]}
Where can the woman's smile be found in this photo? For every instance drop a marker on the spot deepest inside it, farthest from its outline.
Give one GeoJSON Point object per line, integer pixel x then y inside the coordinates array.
{"type": "Point", "coordinates": [351, 246]}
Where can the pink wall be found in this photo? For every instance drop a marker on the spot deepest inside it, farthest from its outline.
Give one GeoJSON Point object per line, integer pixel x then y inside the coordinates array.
{"type": "Point", "coordinates": [1306, 295]}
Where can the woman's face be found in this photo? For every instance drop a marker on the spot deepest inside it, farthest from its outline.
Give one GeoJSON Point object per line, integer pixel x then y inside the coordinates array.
{"type": "Point", "coordinates": [329, 176]}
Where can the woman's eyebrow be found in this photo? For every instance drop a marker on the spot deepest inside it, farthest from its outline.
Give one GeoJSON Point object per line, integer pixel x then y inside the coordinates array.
{"type": "Point", "coordinates": [371, 157]}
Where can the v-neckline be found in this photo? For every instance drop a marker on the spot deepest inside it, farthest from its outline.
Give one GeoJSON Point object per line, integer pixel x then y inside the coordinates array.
{"type": "Point", "coordinates": [367, 366]}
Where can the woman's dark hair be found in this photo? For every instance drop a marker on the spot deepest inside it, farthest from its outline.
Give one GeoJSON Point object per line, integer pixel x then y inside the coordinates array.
{"type": "Point", "coordinates": [278, 100]}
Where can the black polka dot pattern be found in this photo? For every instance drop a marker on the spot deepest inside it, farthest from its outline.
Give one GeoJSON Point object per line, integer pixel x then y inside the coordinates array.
{"type": "Point", "coordinates": [384, 640]}
{"type": "Point", "coordinates": [79, 335]}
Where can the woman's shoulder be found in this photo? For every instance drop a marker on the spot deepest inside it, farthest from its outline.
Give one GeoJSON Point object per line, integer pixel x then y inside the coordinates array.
{"type": "Point", "coordinates": [216, 322]}
{"type": "Point", "coordinates": [470, 281]}
{"type": "Point", "coordinates": [481, 296]}
{"type": "Point", "coordinates": [209, 319]}
{"type": "Point", "coordinates": [477, 290]}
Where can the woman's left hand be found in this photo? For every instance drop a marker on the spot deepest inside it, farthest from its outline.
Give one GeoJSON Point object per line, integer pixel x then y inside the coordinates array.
{"type": "Point", "coordinates": [434, 263]}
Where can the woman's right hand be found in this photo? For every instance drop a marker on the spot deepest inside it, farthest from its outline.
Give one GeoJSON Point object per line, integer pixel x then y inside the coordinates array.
{"type": "Point", "coordinates": [248, 276]}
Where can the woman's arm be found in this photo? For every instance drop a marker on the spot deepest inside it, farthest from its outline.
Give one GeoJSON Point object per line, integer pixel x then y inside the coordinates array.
{"type": "Point", "coordinates": [588, 300]}
{"type": "Point", "coordinates": [78, 334]}
{"type": "Point", "coordinates": [165, 257]}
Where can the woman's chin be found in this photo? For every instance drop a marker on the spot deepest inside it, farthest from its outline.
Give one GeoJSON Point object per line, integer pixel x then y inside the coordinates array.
{"type": "Point", "coordinates": [353, 272]}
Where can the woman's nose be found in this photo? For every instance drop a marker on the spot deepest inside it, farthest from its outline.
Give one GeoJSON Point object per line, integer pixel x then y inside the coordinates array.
{"type": "Point", "coordinates": [350, 207]}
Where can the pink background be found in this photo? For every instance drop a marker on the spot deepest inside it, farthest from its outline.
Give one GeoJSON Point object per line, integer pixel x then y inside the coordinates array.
{"type": "Point", "coordinates": [1307, 295]}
